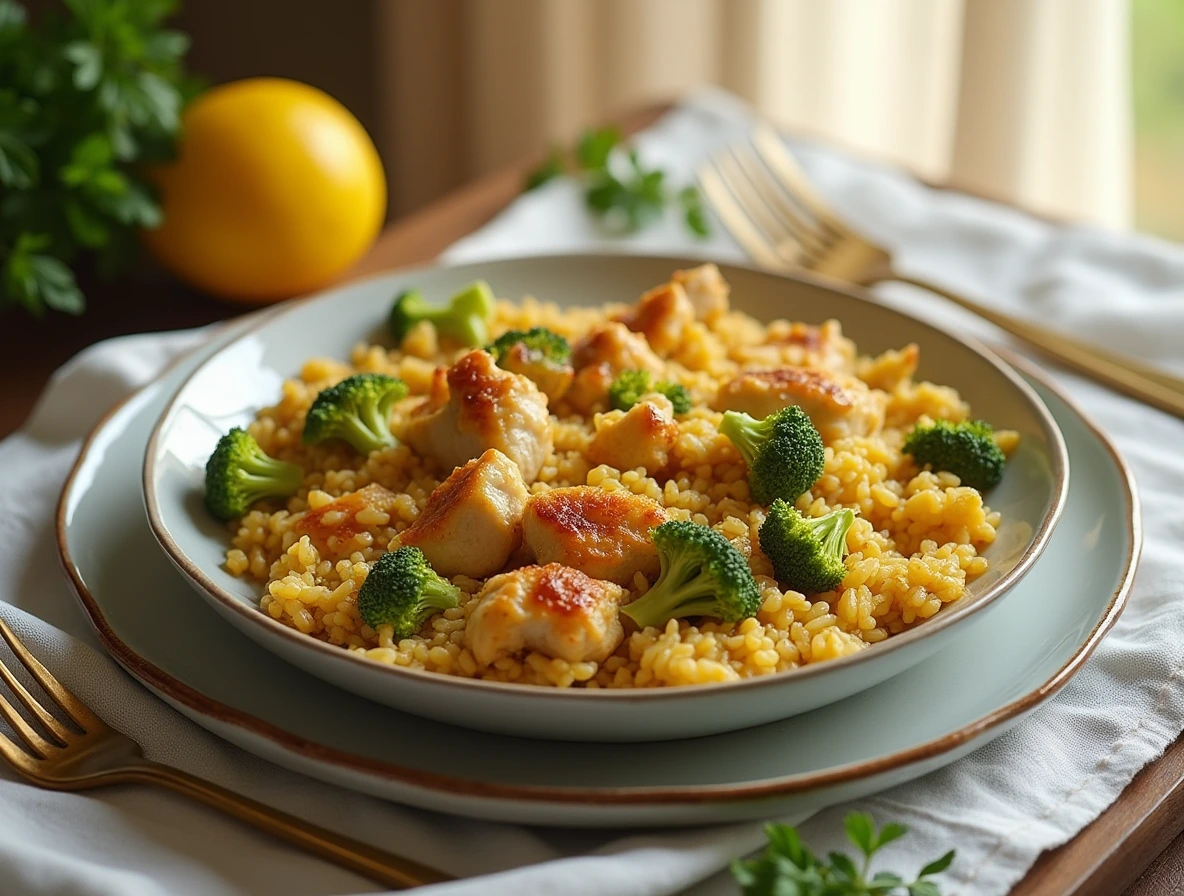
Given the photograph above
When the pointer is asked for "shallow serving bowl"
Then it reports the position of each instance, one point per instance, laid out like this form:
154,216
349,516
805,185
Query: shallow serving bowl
234,383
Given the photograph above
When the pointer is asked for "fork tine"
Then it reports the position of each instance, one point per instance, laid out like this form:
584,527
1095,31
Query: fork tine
795,224
29,702
736,221
69,704
748,197
781,162
35,742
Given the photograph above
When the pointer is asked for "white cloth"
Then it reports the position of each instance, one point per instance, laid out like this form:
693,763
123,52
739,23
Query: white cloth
1000,807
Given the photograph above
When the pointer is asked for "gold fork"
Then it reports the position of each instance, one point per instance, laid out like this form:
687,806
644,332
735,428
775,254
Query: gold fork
96,755
770,207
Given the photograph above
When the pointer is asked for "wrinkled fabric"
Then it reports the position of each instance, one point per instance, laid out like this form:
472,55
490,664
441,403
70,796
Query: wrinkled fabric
1030,790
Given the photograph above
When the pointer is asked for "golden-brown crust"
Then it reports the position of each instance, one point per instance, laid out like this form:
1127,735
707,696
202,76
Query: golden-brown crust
477,384
660,316
448,495
602,533
643,437
563,591
795,384
344,511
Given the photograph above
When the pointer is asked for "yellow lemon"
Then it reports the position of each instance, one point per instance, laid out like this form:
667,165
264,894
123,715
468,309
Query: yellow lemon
277,190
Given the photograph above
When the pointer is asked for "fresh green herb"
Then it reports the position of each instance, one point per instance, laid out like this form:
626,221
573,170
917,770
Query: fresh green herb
788,868
618,188
693,212
549,169
87,97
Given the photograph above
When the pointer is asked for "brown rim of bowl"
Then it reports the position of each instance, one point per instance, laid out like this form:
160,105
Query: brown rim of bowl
163,683
1058,460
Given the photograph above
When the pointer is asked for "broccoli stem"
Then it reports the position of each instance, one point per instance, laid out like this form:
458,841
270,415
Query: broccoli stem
681,590
746,433
440,594
367,435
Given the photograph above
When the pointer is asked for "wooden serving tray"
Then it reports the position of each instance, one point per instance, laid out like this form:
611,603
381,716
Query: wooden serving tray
1135,848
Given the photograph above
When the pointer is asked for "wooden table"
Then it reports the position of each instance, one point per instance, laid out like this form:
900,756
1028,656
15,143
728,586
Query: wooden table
1136,844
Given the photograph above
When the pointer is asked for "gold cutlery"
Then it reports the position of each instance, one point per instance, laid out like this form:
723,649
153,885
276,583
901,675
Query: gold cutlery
86,753
767,203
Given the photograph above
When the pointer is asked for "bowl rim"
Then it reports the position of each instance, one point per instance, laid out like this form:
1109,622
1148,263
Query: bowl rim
1058,461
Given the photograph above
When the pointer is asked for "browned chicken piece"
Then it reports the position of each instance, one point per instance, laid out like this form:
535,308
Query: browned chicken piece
840,405
601,533
600,356
615,345
339,519
552,379
556,610
487,407
643,436
473,521
707,290
798,344
589,389
888,370
661,316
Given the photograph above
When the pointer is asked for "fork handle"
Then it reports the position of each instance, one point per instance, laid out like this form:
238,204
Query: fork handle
1126,375
392,870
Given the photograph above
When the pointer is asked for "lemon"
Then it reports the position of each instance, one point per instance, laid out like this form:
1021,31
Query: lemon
277,191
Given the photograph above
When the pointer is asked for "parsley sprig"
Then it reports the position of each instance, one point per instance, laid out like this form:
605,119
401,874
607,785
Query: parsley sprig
87,97
788,868
618,187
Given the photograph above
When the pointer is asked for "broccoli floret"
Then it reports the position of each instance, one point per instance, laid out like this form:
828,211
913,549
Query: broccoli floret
626,390
358,410
238,474
465,319
678,395
806,552
541,345
402,591
702,575
784,452
966,449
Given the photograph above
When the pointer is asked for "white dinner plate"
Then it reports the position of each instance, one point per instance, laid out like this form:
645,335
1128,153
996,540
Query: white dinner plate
230,386
967,694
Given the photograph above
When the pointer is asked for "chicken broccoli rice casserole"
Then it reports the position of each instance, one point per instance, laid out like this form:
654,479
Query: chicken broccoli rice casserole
660,492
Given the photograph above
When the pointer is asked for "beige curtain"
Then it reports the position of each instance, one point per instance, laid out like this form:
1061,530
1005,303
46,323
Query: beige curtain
1023,99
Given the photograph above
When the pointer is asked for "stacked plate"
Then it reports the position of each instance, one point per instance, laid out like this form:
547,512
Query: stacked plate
1060,570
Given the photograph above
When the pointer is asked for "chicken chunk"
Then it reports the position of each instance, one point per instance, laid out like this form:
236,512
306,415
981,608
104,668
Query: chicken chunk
333,524
839,405
487,407
473,521
600,356
643,436
797,344
706,289
556,610
661,316
601,533
552,379
615,345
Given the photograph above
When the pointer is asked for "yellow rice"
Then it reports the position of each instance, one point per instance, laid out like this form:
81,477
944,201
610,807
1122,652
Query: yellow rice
913,548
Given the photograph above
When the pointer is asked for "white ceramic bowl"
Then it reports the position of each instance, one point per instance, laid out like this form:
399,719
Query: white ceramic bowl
246,375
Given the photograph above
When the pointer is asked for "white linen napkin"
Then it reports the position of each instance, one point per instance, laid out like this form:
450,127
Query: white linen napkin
1000,807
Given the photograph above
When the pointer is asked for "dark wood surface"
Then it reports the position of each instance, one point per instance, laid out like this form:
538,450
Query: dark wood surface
1135,848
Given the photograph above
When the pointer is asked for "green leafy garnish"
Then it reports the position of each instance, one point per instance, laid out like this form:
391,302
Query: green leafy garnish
87,97
788,868
618,188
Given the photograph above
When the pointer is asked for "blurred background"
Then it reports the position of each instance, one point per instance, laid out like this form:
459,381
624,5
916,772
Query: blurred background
1072,107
